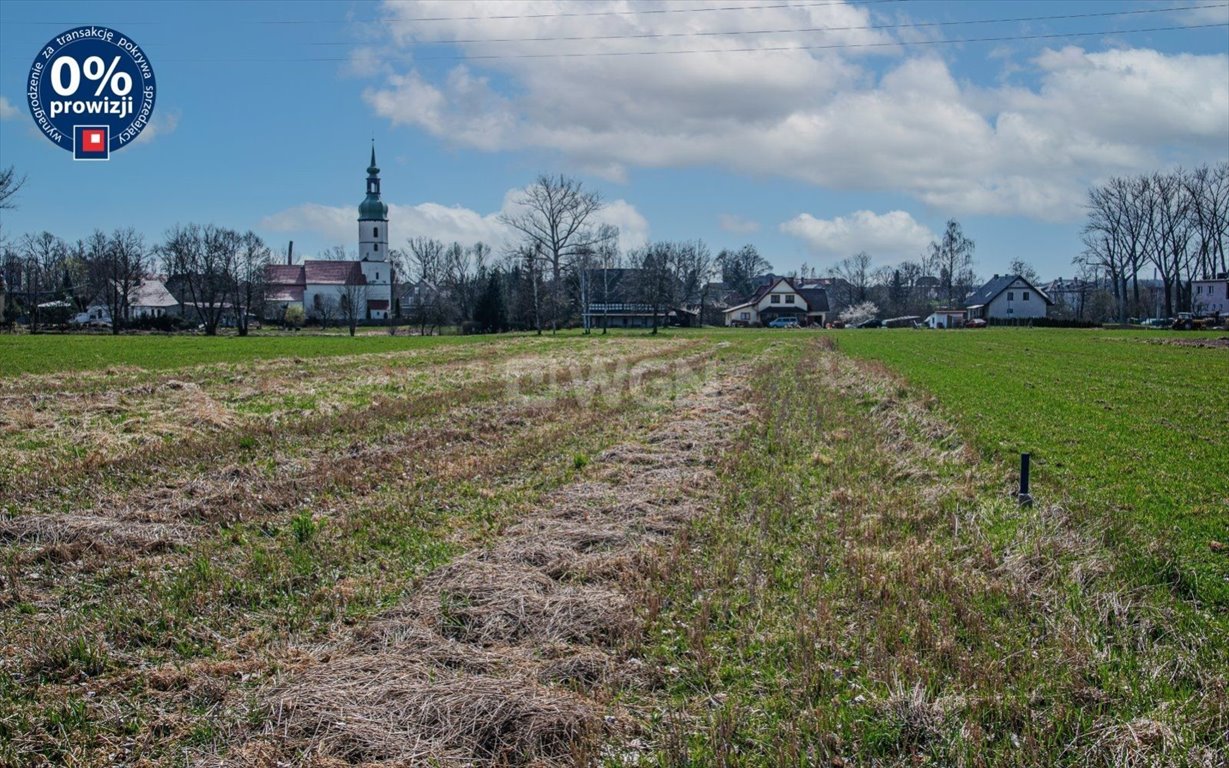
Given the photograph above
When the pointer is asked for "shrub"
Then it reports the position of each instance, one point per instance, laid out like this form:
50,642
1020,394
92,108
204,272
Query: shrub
295,317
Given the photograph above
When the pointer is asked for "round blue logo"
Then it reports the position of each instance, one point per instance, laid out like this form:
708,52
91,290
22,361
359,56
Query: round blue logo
91,91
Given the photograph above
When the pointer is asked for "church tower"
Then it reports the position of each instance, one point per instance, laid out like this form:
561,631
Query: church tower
373,245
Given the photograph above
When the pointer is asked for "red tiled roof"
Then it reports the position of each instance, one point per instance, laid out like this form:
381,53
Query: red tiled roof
334,273
377,304
284,274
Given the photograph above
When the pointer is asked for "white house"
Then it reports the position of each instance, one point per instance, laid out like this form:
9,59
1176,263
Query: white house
1211,297
1007,297
148,298
782,297
945,318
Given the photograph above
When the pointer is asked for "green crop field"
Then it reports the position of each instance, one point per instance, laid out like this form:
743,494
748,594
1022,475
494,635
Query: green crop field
700,548
1130,431
50,353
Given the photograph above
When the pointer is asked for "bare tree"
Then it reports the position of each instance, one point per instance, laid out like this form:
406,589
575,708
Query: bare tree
555,220
324,309
608,257
953,255
115,266
42,258
856,272
351,301
201,262
657,284
10,185
740,268
249,278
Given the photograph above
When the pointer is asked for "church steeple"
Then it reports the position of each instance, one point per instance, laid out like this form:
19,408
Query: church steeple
372,208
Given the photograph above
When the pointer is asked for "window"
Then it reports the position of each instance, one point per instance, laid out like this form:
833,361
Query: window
776,298
1011,295
377,277
1026,296
789,298
377,246
744,315
375,231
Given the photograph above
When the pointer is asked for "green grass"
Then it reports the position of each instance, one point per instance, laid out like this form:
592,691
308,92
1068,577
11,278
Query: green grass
1133,435
866,594
46,353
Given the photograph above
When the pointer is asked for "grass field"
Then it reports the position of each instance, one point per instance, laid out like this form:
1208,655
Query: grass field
702,548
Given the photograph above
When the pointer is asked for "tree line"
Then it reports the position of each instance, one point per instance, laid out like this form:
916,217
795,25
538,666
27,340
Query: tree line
1174,224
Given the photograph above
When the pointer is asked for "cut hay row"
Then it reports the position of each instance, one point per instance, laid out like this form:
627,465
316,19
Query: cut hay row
490,659
55,435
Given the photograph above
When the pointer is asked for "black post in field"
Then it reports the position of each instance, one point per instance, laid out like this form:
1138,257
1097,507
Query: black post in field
1024,497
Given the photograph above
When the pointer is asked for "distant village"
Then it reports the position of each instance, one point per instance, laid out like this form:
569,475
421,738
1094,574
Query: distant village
567,271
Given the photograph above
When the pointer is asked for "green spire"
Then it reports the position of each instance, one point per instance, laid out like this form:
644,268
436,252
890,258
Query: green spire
372,170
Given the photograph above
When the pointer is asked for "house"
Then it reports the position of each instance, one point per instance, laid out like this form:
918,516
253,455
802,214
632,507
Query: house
945,318
783,297
148,298
1007,297
1211,296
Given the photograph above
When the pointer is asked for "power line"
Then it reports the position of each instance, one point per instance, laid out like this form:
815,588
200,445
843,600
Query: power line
832,46
770,49
503,17
800,30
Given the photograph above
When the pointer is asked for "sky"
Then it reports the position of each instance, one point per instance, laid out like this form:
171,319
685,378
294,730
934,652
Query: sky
812,129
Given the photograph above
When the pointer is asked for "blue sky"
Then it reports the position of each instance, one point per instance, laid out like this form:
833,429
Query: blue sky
816,143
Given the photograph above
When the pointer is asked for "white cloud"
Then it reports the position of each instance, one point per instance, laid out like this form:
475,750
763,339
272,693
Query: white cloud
7,110
894,234
822,116
161,124
738,225
337,225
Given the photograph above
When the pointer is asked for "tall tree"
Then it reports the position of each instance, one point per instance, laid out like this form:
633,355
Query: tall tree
740,268
42,258
555,217
201,263
249,279
116,266
953,255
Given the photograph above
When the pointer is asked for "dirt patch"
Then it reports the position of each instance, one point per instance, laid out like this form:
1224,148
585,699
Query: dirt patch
1221,342
489,660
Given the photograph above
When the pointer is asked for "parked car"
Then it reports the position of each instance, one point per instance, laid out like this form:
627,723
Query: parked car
784,322
872,323
976,322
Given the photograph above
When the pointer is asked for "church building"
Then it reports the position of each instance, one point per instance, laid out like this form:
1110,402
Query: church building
319,287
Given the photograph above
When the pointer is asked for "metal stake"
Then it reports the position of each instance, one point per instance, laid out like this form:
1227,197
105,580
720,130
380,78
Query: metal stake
1024,497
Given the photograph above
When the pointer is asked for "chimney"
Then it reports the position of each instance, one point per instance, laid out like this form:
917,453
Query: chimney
290,254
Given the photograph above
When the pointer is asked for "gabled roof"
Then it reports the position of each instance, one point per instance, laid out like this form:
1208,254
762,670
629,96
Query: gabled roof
151,293
333,273
285,274
999,283
815,297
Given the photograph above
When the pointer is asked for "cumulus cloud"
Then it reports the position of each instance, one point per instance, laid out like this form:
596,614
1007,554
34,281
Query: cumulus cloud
894,234
7,110
338,224
841,119
738,225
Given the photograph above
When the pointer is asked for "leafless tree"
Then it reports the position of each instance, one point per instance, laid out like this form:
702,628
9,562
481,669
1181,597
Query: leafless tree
115,267
856,272
324,308
42,259
201,263
249,279
953,256
10,185
555,218
351,303
740,268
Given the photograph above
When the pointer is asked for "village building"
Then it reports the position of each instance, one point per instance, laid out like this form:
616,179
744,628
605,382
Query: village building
148,298
1007,297
318,287
1211,296
945,318
783,297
